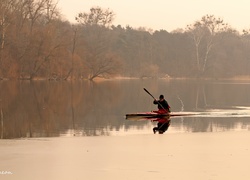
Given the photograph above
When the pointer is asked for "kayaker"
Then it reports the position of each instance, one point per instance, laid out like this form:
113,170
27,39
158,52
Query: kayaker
163,106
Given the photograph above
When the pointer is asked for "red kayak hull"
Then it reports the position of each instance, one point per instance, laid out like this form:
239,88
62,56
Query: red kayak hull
149,115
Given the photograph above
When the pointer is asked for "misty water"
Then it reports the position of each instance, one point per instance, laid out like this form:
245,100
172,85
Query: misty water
84,108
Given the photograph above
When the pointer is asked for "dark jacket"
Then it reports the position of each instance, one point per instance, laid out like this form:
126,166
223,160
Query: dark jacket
162,105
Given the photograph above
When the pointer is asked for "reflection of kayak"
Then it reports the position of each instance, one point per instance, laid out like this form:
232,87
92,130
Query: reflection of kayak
156,115
147,115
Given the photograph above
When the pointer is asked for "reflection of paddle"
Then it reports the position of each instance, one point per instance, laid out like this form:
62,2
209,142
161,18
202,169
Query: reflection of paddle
154,99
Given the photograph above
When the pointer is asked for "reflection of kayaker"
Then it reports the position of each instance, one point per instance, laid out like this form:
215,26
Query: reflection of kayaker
162,125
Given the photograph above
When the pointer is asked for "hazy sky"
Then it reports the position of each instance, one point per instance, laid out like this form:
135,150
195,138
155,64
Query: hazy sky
164,14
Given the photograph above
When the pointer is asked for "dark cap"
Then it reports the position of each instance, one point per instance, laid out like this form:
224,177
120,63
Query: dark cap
161,96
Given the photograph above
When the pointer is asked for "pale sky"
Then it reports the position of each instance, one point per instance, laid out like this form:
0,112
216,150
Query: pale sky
163,14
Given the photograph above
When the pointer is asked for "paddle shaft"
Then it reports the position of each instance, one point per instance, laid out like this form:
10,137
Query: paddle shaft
149,93
154,99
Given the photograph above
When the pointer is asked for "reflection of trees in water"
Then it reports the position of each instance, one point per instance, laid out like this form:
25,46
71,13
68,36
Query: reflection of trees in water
200,95
26,110
48,109
1,118
35,109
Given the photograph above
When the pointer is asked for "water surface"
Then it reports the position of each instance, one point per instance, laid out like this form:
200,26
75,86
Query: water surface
83,108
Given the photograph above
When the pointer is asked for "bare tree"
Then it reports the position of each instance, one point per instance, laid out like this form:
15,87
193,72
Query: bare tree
75,37
205,31
97,16
246,41
100,60
42,39
105,67
6,10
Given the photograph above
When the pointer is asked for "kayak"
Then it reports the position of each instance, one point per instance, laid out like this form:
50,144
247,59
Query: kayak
149,115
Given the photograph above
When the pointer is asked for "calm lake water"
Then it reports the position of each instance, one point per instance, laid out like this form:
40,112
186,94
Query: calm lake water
54,109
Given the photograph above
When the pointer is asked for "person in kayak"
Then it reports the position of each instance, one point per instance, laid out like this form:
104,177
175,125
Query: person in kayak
163,106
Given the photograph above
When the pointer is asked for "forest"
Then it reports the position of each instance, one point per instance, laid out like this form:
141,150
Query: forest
37,43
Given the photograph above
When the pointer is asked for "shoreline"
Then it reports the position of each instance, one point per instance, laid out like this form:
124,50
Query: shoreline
236,78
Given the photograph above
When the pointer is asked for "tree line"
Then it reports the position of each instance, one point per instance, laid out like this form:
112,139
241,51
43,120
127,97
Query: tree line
36,43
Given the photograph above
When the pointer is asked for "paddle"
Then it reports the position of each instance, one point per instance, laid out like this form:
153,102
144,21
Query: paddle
149,93
154,99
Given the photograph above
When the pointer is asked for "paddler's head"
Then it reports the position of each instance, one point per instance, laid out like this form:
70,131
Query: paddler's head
161,97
